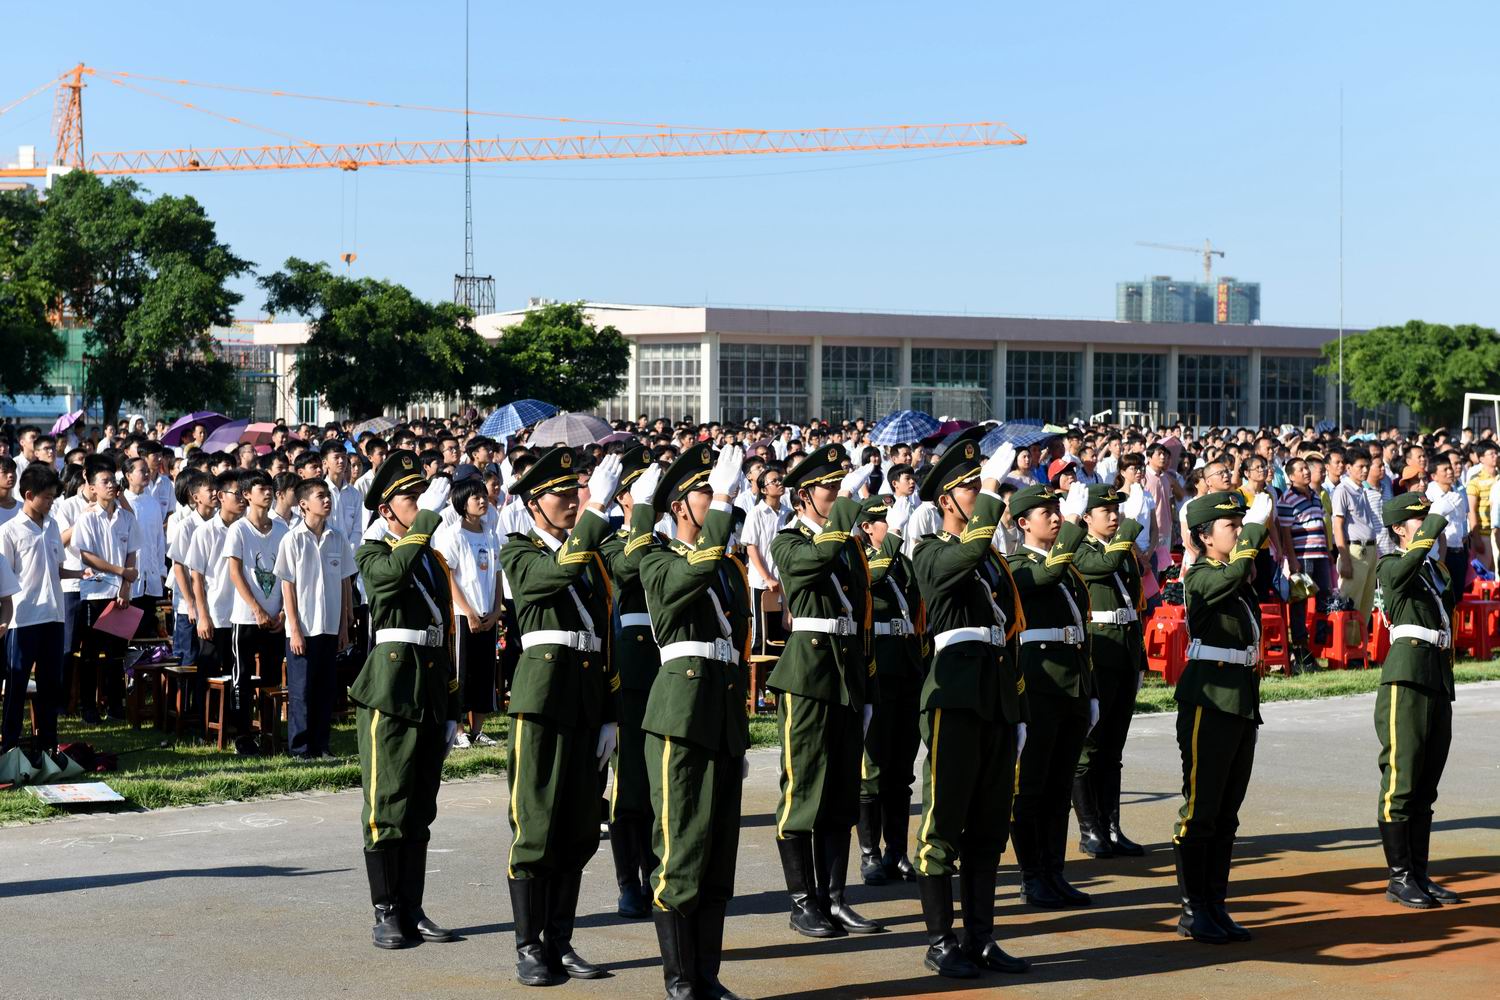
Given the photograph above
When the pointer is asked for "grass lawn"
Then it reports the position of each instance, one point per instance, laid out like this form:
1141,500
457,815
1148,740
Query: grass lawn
155,772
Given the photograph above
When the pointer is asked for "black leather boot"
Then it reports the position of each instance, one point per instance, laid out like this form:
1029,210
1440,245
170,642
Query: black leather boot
1056,848
895,821
383,869
831,862
625,850
1220,859
1192,874
413,882
807,919
1093,840
976,889
528,907
710,921
679,957
1403,887
871,868
1036,888
1109,806
557,933
1420,830
944,956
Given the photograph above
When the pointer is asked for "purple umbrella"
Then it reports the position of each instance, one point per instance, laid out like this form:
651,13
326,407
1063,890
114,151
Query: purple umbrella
65,421
208,418
226,437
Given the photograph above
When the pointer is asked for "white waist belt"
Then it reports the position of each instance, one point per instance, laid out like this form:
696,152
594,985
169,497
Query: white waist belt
430,636
1441,638
1247,657
720,649
992,634
1072,635
1119,616
828,626
896,626
584,642
638,620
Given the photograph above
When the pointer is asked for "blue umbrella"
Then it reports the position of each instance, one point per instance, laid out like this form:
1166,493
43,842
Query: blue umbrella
1020,434
903,427
513,416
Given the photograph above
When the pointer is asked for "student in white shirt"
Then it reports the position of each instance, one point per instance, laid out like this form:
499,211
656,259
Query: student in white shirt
10,498
285,509
259,636
471,549
348,502
197,500
315,564
762,522
213,593
108,540
75,495
151,518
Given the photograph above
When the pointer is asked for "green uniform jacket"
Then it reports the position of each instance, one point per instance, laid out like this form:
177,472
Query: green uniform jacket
694,698
1106,567
415,683
898,658
815,570
565,686
958,577
1055,668
1222,611
635,659
1411,594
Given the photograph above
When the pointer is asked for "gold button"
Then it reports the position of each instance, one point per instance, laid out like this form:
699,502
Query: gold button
690,672
639,637
846,588
815,640
1413,641
546,656
1044,645
395,655
731,685
585,664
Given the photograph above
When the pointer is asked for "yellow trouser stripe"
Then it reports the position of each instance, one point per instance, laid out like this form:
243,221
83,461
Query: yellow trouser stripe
374,775
937,727
1391,786
791,777
666,817
1192,801
514,779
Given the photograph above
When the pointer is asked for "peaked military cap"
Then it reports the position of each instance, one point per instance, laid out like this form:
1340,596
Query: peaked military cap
1403,508
1028,498
873,509
959,464
1207,509
683,476
1101,495
634,463
825,465
400,473
555,472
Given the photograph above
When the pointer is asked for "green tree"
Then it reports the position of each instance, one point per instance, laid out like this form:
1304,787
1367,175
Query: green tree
1426,366
149,278
556,354
28,343
374,344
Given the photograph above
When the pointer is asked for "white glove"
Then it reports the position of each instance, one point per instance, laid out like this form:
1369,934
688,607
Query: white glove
867,713
745,767
450,736
1135,503
1260,509
1020,738
644,488
605,479
1077,500
725,478
435,497
609,735
998,465
1093,713
897,516
856,480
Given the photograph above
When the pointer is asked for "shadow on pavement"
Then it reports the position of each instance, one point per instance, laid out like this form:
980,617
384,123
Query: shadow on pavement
44,886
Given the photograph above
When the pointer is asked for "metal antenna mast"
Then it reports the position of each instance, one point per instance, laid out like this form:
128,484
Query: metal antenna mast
477,293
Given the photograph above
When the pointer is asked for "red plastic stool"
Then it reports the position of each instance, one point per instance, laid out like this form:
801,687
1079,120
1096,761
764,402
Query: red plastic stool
1167,642
1274,648
1348,641
1379,646
1477,625
1319,628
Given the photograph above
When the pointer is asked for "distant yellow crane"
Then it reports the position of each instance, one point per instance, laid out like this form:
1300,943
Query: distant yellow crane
1207,250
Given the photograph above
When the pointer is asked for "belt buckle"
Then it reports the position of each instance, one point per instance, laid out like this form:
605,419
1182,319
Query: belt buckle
723,651
1445,639
1195,649
433,636
1073,635
1122,616
898,627
1252,656
845,626
581,642
997,635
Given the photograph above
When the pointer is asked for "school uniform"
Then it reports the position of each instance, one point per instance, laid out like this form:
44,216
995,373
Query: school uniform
179,537
253,643
65,514
31,558
115,537
316,565
473,560
206,556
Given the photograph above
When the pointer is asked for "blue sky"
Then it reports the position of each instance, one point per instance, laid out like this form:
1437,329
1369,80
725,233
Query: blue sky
1164,122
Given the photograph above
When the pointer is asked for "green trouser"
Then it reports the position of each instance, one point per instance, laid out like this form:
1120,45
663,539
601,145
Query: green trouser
1117,680
890,747
1054,739
966,789
695,798
1218,753
631,796
820,758
1415,725
400,769
554,797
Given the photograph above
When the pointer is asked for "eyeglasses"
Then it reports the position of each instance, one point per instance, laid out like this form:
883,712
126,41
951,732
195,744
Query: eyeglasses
771,482
226,493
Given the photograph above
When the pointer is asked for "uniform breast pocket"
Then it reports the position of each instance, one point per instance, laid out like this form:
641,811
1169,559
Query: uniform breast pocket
689,669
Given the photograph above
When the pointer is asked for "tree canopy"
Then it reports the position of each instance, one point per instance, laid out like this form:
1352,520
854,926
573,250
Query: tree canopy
556,354
1426,366
28,343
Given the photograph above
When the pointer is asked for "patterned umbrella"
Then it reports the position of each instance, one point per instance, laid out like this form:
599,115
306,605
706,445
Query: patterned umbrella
1019,433
375,425
208,418
226,437
903,427
572,429
513,416
65,421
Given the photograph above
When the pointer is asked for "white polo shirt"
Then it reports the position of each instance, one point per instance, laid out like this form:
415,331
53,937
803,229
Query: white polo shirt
33,554
256,552
473,559
6,513
179,538
112,536
65,513
348,510
761,525
205,555
316,566
152,561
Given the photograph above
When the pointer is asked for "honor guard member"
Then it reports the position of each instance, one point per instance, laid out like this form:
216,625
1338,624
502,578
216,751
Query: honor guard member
973,707
1414,709
406,696
1061,693
695,723
825,681
1218,706
635,662
562,706
892,739
1106,561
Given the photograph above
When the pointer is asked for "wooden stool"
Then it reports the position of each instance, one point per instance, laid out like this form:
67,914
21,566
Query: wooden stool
760,668
214,721
272,703
146,681
176,692
1274,650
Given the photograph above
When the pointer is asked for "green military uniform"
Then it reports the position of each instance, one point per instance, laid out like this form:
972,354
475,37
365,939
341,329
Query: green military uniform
696,728
564,692
1118,642
973,704
1414,708
825,677
406,703
1060,685
1218,711
892,739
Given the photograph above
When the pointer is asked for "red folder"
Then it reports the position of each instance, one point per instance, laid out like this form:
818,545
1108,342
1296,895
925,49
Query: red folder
120,622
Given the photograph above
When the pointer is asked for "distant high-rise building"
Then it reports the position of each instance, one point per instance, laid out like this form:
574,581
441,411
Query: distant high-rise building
1160,299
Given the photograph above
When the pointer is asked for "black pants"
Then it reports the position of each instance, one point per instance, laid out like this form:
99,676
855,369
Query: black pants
1218,753
101,668
887,769
1054,740
1101,759
257,663
29,646
311,684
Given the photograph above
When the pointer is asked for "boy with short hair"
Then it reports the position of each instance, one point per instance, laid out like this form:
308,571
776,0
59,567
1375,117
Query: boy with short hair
213,593
10,505
151,564
195,497
108,539
250,546
285,509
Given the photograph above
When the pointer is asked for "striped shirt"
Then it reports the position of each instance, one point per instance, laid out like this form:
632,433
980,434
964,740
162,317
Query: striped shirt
1302,513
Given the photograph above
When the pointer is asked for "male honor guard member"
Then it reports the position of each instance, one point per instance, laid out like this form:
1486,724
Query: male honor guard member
1414,709
825,683
973,707
1106,561
1060,687
562,708
1218,706
695,721
406,697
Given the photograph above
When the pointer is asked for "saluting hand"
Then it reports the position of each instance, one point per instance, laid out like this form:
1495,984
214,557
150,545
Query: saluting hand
644,488
724,480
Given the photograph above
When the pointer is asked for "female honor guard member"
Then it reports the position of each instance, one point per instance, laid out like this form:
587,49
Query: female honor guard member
1106,561
562,707
695,721
825,681
1218,706
406,697
973,711
1414,709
